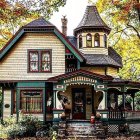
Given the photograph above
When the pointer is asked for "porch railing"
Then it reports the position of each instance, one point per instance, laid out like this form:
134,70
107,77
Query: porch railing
133,115
117,114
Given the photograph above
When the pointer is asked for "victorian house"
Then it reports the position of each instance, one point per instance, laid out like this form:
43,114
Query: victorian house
44,72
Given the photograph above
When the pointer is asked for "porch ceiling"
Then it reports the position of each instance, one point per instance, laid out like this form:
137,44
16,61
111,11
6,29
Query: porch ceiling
80,72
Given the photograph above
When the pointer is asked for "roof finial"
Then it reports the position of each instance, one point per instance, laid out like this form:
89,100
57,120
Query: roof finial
92,2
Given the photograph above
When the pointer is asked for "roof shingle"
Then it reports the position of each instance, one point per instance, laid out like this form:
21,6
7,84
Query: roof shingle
92,19
39,22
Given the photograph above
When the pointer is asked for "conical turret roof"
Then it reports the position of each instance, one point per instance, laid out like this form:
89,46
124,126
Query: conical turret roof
92,20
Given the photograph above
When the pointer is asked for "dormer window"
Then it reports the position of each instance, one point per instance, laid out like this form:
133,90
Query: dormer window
89,40
105,41
80,42
96,40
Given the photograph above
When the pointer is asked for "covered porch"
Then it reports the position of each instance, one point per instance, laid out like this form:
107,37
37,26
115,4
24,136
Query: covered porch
78,95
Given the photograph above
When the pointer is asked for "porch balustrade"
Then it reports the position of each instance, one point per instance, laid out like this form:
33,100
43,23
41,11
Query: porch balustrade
117,114
133,115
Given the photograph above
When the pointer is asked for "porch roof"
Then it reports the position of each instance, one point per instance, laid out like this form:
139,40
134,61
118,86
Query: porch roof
118,82
80,72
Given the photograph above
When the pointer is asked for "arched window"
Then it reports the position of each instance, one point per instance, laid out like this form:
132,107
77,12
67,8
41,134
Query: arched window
105,40
80,42
96,40
89,40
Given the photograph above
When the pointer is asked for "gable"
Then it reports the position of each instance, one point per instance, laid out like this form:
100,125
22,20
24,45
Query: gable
23,30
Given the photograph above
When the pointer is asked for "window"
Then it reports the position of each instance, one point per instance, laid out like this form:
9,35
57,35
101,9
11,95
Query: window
80,42
39,61
105,40
89,40
96,40
31,101
45,61
33,60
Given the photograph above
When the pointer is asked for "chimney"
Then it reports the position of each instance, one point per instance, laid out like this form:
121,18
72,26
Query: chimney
64,25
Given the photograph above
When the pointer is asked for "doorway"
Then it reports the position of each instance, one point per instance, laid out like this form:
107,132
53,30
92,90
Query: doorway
79,108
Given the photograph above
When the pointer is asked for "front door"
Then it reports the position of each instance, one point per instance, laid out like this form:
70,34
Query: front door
78,95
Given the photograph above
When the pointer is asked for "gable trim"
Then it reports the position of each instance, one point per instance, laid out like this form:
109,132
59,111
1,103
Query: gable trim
11,42
69,46
80,72
21,31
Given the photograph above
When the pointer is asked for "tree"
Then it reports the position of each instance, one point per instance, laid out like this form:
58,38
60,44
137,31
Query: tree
123,13
0,104
16,13
123,16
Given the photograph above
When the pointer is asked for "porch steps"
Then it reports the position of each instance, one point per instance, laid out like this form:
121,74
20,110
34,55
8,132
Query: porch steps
84,129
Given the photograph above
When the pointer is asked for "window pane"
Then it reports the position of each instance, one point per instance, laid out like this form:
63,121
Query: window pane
33,61
89,40
31,102
80,41
46,65
97,40
45,56
33,56
33,66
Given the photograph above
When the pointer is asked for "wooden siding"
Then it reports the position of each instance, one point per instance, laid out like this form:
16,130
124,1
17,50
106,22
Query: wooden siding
93,50
98,70
14,66
7,101
112,71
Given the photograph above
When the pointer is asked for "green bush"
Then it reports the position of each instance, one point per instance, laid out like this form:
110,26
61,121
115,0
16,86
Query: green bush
26,126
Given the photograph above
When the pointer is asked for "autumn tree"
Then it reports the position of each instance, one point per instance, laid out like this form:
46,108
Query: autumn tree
123,16
16,13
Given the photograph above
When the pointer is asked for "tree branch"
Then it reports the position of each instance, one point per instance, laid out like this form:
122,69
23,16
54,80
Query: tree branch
138,34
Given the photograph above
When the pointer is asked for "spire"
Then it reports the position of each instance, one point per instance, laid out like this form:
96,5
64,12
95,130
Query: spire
92,20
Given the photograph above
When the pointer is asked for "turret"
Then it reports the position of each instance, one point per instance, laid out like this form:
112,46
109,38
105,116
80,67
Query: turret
92,33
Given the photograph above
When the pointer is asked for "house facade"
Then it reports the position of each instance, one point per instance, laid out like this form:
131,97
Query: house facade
46,73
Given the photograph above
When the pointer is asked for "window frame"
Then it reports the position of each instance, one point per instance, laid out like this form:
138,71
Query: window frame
40,52
97,40
80,41
88,40
105,40
41,101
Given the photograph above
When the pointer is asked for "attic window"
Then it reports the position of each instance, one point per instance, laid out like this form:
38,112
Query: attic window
39,61
96,40
105,40
89,40
80,42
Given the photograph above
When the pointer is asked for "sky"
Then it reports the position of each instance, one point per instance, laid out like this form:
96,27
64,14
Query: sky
74,11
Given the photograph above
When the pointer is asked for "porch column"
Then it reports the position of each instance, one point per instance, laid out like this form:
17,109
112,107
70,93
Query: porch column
54,99
133,103
106,102
123,99
103,104
57,107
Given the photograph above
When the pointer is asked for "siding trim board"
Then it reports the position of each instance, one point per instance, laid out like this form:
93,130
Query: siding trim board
23,30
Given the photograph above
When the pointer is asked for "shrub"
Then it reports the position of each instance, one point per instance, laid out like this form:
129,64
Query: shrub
26,126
